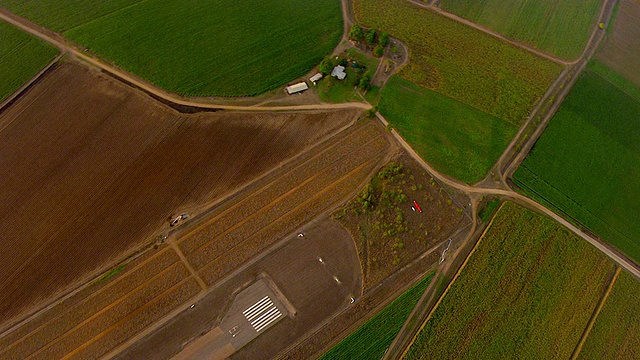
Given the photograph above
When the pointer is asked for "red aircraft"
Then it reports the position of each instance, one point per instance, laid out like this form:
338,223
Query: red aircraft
417,206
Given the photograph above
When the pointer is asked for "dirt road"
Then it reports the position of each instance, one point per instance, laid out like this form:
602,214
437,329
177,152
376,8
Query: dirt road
66,47
473,191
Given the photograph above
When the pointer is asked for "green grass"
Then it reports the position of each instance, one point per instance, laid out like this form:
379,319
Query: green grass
21,57
456,139
372,339
461,62
202,48
615,332
333,90
488,210
560,27
113,272
527,292
587,162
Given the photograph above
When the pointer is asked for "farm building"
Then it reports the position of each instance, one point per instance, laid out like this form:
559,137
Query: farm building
315,78
296,88
338,72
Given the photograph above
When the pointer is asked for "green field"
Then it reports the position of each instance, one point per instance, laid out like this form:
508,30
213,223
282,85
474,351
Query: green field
21,57
560,27
202,48
454,138
615,333
371,340
62,15
587,162
527,292
460,62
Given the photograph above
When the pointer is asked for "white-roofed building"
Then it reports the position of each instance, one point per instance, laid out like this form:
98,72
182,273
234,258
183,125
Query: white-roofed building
338,72
296,88
315,78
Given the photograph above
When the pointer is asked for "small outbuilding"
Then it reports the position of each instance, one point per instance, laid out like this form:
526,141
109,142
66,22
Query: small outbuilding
296,88
338,72
315,78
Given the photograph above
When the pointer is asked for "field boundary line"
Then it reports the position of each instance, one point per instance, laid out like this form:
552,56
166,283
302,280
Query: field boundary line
80,288
16,94
299,206
119,322
596,313
275,201
187,264
453,280
292,161
98,313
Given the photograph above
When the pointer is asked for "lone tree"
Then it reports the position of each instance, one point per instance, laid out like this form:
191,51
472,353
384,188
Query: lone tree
370,37
326,65
356,32
365,82
378,51
383,39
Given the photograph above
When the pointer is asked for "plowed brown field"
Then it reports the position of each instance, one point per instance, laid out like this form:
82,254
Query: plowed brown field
91,169
621,49
321,180
105,314
102,316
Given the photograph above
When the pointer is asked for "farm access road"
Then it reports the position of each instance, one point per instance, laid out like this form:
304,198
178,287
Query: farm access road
66,46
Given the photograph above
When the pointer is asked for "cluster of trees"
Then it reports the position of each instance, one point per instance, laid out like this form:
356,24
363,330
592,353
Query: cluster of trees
328,63
371,38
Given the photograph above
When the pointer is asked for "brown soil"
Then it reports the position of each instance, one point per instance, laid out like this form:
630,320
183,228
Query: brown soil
388,233
321,180
91,169
620,49
105,313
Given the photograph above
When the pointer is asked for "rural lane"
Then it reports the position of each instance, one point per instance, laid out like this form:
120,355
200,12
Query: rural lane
151,89
472,191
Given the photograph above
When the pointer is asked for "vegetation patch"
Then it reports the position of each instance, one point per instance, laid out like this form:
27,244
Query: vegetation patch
461,62
21,57
527,291
488,209
455,138
359,68
587,162
226,48
388,228
371,340
558,27
615,332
